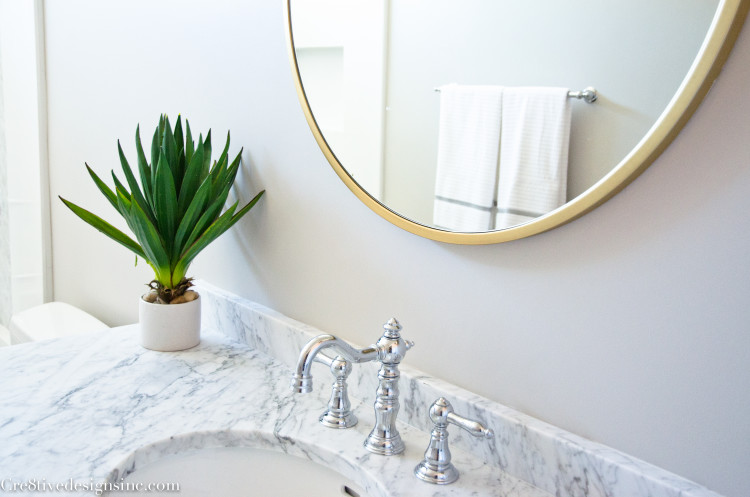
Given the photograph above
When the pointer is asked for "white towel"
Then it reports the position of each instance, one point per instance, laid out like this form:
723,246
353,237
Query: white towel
533,173
468,148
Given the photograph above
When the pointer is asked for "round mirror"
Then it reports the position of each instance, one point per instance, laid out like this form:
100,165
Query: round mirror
466,122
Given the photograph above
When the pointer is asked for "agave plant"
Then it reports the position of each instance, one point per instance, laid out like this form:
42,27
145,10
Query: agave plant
175,212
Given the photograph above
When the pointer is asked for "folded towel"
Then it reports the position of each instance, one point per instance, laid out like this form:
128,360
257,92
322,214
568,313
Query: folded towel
535,136
468,147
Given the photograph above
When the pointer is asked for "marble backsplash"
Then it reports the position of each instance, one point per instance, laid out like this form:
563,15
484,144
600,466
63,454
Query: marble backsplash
549,458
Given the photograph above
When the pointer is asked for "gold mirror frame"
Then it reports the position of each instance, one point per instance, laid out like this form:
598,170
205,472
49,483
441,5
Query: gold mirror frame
725,27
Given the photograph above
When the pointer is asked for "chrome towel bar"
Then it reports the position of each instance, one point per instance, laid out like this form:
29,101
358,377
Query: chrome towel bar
588,94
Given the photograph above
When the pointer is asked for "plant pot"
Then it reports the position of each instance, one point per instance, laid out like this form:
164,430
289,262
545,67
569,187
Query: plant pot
170,327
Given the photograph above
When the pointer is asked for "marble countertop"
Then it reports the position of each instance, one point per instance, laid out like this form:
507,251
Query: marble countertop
93,408
96,406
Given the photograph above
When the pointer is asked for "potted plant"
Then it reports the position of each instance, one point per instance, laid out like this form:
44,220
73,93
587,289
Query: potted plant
174,213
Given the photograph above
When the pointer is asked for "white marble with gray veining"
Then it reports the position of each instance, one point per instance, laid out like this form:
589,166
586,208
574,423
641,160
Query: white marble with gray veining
549,458
95,407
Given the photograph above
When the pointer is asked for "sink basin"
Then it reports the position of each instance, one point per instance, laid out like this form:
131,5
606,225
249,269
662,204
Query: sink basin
238,472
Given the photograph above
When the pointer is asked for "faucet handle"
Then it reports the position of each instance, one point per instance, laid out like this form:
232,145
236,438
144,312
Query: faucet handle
475,428
338,413
436,467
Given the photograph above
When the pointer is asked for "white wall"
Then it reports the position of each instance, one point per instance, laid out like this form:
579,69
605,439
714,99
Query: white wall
628,326
20,85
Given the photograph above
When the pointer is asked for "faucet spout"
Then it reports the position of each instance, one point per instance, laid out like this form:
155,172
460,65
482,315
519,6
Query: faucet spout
302,379
390,349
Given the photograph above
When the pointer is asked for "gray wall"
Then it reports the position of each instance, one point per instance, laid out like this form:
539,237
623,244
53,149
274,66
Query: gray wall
628,326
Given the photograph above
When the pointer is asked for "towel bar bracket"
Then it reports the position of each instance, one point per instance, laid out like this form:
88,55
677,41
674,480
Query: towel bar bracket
588,94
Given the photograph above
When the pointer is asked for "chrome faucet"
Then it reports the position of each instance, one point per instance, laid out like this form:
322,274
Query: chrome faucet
436,467
390,349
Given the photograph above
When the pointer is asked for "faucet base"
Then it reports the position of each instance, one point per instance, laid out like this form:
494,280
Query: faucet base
439,475
331,419
383,446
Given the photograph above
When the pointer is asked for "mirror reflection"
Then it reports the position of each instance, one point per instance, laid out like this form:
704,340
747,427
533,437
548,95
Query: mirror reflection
452,158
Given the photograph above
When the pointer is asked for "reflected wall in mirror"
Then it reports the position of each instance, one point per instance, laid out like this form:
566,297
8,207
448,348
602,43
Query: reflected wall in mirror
367,71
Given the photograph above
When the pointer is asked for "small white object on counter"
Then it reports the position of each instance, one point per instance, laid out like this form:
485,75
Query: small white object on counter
51,320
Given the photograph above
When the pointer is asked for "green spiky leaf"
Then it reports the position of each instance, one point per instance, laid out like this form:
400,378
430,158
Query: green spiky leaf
165,201
135,189
206,154
192,180
144,169
106,228
189,145
106,191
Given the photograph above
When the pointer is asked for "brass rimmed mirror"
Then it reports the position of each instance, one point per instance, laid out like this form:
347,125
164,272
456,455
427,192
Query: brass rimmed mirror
366,72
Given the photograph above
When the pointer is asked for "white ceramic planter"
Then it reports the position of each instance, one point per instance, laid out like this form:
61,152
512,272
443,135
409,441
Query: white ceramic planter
168,328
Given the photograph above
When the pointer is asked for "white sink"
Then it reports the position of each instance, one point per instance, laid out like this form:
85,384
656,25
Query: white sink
239,472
